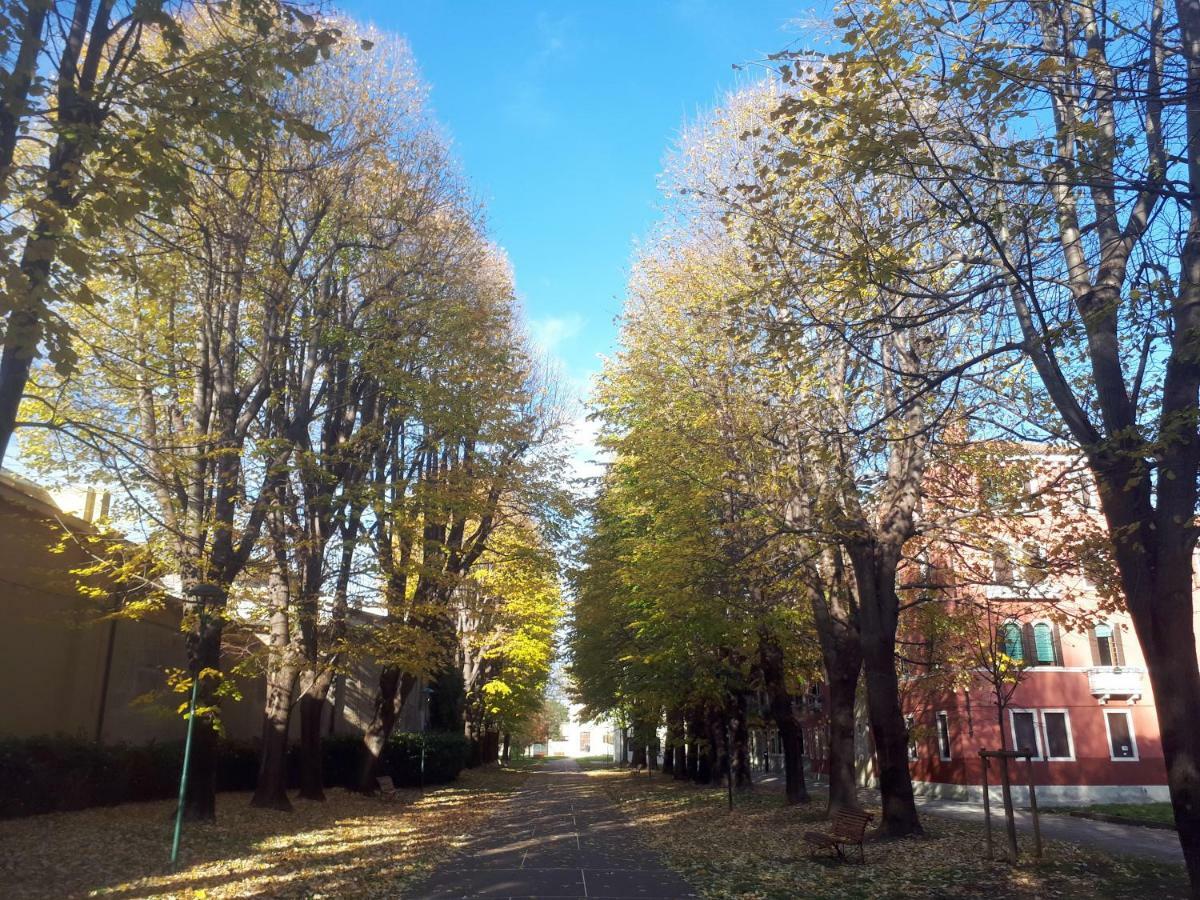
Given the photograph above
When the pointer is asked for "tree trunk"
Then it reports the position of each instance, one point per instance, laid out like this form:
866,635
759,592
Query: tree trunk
394,688
715,732
204,652
674,748
878,607
742,778
270,791
783,712
841,673
312,709
1162,613
695,733
639,752
505,747
685,762
835,615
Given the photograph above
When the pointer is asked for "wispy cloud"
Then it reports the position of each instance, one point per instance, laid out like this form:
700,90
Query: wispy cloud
526,105
551,332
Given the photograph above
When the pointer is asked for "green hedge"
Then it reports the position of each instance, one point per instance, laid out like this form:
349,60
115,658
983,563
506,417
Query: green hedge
445,757
51,774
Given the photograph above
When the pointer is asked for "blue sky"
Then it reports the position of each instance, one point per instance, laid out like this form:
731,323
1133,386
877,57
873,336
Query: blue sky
561,115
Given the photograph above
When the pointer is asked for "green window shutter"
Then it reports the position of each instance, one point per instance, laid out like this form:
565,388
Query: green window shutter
1029,648
1095,646
1014,645
1057,638
1043,641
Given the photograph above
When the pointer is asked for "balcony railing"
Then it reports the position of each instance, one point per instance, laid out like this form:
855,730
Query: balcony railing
1108,682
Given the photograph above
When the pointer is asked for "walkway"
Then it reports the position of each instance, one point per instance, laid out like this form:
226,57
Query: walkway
1148,843
559,836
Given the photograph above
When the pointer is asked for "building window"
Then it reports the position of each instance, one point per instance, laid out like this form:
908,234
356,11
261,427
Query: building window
1035,565
1024,731
1002,568
607,738
1011,638
1044,644
1104,646
1056,725
943,735
912,744
585,742
1121,743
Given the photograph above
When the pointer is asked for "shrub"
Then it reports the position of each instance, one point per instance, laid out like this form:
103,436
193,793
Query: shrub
53,774
445,756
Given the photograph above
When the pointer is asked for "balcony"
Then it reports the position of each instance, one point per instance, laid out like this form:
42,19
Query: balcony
1108,682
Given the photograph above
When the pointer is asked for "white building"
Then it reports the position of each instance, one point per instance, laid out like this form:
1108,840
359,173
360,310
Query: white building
582,738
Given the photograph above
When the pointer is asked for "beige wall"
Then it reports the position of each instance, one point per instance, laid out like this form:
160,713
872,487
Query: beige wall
53,646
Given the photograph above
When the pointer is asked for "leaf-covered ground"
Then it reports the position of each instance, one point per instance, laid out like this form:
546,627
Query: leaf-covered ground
757,851
349,846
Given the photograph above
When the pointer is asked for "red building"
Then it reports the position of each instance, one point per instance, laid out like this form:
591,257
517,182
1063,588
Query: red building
1035,654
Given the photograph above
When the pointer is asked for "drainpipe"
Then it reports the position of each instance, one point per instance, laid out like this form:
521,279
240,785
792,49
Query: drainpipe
104,679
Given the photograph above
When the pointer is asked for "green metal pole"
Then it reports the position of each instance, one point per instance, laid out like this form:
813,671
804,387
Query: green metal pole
183,776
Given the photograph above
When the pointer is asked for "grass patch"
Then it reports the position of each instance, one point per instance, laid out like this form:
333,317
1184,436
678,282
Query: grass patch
350,845
757,852
591,763
1159,814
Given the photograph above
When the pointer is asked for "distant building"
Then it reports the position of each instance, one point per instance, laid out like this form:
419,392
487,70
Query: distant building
582,737
72,671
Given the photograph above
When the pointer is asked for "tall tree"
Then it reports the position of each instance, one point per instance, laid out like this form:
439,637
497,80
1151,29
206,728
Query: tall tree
101,122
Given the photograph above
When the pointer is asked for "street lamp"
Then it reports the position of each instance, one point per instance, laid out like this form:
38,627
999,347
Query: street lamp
206,596
427,693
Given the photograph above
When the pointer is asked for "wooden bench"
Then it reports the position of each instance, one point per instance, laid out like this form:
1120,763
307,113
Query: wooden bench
387,788
848,828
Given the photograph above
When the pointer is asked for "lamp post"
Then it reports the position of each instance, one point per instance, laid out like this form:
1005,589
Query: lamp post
427,693
205,595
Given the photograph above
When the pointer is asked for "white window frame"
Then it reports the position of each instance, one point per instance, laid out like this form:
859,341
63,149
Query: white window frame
938,717
1037,732
1132,735
1044,737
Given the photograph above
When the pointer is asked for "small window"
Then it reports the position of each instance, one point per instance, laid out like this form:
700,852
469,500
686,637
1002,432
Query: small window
1035,565
585,742
607,738
1002,568
1121,742
912,744
1083,490
1014,645
1024,732
1043,642
943,735
1057,726
1104,645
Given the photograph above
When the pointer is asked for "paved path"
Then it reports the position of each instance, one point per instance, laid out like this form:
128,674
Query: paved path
1148,843
559,836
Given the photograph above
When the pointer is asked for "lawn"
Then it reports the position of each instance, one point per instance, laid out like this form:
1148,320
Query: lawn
348,846
1131,813
757,851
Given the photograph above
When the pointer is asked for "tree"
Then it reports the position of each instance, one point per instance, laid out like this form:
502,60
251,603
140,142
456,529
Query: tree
101,123
1060,141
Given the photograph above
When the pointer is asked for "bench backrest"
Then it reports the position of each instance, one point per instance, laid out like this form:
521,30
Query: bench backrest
849,823
385,783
